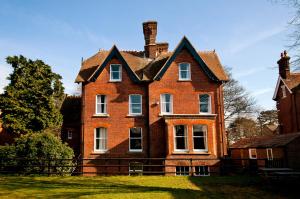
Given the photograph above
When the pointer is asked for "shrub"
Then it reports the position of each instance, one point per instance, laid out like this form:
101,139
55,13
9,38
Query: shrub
43,153
8,161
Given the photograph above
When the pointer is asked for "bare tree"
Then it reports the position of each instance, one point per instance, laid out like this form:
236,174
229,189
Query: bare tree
237,101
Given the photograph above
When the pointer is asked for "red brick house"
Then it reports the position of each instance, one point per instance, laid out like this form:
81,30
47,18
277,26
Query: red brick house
287,97
154,104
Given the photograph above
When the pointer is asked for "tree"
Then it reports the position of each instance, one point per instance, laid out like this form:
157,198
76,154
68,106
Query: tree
242,127
265,119
31,101
236,100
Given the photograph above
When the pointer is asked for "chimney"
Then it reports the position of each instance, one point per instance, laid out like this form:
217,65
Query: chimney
150,31
284,65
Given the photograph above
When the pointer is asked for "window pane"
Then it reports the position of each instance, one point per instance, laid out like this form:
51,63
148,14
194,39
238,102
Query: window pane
180,143
167,98
135,98
136,108
184,74
97,144
179,130
183,66
167,108
115,68
135,144
199,143
204,98
102,97
115,75
135,132
97,132
204,108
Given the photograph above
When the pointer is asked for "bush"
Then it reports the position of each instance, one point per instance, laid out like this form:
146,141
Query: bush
8,161
40,153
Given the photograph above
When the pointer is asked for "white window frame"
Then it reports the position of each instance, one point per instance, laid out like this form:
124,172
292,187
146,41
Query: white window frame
130,104
120,73
95,140
209,104
269,153
208,170
205,140
283,90
188,71
98,112
182,171
136,150
70,134
162,103
251,153
185,136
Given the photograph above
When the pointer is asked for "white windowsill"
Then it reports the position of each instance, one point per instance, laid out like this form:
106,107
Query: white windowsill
133,115
101,115
181,151
135,151
184,80
99,152
114,81
200,114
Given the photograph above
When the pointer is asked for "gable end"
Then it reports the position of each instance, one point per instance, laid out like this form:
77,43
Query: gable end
185,44
114,52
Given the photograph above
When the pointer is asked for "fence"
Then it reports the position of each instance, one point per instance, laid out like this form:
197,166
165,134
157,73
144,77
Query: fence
134,166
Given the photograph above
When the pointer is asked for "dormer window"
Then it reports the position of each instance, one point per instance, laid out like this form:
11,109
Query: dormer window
184,71
115,73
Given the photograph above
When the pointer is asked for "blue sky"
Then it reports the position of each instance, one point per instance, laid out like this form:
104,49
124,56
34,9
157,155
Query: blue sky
248,35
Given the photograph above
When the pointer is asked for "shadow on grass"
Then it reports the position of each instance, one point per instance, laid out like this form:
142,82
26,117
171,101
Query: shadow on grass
74,187
247,187
55,188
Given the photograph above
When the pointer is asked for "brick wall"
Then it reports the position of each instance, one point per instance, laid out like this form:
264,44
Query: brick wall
185,101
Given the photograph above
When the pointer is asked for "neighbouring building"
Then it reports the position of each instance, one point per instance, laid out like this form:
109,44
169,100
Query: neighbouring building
153,103
287,97
70,130
267,151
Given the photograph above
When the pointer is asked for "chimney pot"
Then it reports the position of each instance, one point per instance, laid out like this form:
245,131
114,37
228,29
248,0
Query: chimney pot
284,65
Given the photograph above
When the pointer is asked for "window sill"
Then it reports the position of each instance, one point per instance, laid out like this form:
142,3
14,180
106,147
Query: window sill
99,152
135,151
181,152
184,80
100,115
129,115
115,81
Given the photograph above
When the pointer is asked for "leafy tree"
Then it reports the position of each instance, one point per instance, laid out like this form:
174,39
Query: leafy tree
31,101
265,118
236,100
242,127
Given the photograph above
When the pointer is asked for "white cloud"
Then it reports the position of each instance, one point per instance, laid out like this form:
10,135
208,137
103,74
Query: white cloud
254,38
248,72
262,91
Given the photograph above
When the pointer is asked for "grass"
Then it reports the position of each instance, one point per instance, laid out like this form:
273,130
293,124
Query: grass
135,187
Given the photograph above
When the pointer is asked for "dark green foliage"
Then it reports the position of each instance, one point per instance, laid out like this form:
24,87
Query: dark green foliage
38,153
7,157
43,150
32,100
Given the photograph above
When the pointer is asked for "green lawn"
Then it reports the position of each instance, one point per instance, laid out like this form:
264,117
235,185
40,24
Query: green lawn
156,187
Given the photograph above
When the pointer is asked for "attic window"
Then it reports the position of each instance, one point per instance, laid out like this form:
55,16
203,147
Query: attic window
115,73
184,71
283,91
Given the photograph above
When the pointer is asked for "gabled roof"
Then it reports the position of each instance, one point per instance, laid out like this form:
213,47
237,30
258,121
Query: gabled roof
268,141
292,82
145,69
185,44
